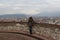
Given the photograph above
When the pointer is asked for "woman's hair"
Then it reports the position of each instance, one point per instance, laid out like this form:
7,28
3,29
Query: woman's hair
30,19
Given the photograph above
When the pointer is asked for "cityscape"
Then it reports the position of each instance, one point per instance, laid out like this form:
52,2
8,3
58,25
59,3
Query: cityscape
29,19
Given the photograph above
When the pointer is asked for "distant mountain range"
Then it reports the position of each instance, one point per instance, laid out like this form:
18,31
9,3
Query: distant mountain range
24,15
13,16
49,14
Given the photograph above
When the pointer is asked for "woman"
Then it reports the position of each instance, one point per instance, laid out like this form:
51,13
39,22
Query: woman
30,24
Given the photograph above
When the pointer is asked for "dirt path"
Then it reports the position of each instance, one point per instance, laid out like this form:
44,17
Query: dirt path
21,36
11,36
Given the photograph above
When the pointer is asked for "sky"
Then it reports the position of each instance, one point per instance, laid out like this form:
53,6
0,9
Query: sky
29,7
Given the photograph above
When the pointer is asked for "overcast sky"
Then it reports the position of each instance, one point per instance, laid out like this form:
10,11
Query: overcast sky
28,6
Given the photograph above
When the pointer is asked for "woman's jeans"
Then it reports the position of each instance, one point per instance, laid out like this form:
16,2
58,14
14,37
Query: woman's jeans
30,29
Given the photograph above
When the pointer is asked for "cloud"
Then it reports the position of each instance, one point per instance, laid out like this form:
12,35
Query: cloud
30,11
28,6
20,11
4,5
